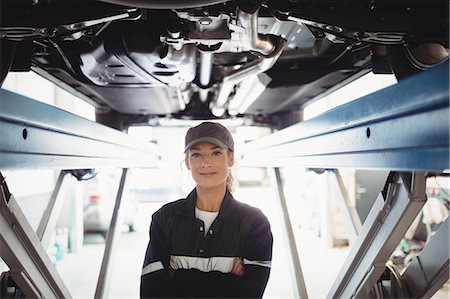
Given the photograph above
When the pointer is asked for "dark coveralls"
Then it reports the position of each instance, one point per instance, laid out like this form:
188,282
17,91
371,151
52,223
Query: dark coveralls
203,263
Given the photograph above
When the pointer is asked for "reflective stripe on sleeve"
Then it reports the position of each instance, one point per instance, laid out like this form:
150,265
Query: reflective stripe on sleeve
267,264
152,267
204,264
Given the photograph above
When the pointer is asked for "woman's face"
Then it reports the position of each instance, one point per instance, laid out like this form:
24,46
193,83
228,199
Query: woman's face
209,164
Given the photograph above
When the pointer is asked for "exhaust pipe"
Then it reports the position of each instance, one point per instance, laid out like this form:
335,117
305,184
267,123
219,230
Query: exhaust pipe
268,47
256,42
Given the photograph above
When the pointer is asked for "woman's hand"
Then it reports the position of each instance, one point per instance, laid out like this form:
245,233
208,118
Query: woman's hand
171,272
238,267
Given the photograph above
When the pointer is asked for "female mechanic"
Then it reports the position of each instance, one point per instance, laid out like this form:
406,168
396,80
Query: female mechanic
208,245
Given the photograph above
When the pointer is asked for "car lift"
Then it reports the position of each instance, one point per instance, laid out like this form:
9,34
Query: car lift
403,128
36,135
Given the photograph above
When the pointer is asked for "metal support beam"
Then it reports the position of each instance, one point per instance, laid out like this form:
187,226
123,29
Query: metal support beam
428,272
349,212
37,135
112,239
300,287
21,249
404,127
383,229
51,213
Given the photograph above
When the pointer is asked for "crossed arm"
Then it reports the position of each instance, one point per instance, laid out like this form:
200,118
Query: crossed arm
247,278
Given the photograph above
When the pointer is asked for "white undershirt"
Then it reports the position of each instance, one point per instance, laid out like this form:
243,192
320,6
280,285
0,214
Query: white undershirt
207,218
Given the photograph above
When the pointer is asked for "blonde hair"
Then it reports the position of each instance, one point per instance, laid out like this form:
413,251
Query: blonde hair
230,180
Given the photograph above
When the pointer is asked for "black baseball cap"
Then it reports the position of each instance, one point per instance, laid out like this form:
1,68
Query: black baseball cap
209,132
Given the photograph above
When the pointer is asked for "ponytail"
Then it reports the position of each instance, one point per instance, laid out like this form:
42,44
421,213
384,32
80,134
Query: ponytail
230,181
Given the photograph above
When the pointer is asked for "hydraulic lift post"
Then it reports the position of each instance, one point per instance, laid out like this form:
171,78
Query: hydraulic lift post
112,239
51,213
298,278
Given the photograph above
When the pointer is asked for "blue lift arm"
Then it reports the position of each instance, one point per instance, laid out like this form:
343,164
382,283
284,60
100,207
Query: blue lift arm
404,127
37,135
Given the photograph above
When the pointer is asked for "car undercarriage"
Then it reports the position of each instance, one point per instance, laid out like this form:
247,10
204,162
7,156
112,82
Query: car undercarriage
264,61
